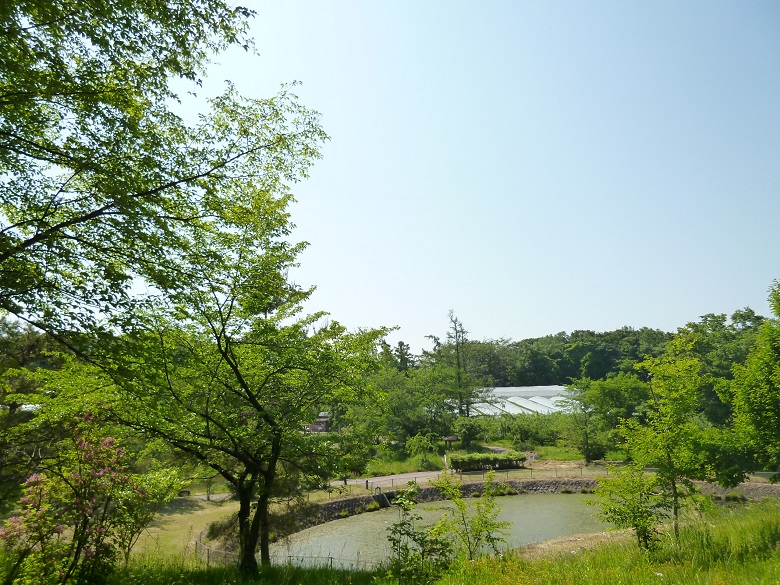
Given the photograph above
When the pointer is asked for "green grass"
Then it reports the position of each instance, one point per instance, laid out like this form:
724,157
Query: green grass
728,546
189,572
391,466
553,453
615,455
177,525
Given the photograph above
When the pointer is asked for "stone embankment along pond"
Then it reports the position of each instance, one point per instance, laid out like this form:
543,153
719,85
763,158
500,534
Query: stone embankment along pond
337,509
359,504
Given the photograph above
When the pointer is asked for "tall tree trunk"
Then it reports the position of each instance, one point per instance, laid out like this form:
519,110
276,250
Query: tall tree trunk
675,510
247,544
262,518
263,522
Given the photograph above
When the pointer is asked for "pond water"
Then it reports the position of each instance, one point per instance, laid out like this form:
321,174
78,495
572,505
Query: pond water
363,538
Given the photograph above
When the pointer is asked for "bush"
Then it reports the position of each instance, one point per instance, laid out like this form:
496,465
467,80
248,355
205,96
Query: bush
487,461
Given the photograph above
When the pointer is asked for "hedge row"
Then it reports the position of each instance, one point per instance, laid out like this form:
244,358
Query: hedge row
480,461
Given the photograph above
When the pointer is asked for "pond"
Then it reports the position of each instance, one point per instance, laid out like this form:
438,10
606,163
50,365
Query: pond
362,539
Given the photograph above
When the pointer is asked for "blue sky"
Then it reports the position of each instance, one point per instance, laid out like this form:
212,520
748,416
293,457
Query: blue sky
534,166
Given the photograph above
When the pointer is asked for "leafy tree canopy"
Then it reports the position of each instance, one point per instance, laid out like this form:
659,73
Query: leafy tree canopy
102,183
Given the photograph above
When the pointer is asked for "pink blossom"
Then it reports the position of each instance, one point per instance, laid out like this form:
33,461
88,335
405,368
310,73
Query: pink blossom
34,479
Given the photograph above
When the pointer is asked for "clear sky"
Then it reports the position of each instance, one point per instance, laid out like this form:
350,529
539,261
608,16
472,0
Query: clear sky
534,166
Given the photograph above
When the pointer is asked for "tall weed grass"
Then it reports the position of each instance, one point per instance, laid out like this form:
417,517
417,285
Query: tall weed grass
725,546
166,572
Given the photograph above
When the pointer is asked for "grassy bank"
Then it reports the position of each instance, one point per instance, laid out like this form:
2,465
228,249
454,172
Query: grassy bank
159,571
726,546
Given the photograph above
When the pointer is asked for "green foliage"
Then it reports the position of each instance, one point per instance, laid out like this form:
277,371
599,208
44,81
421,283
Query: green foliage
355,449
632,499
757,392
103,183
407,403
22,351
582,428
563,357
536,429
137,502
421,445
726,546
74,516
557,453
721,345
675,440
481,529
486,461
595,408
393,462
467,429
421,553
162,571
237,396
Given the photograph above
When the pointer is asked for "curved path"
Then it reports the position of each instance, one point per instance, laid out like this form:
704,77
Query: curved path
384,481
399,479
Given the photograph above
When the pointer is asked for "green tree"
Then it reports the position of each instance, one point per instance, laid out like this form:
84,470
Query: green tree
675,439
595,409
103,183
582,427
405,404
137,501
421,553
533,367
421,446
479,528
228,371
238,400
757,391
446,369
720,344
632,499
615,399
467,429
23,351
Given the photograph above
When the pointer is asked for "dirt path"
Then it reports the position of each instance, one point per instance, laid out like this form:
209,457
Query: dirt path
570,544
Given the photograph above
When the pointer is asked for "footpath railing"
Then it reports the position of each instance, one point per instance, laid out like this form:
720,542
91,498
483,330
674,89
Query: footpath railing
214,556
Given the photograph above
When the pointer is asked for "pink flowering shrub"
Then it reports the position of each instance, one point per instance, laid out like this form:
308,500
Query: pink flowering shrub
73,517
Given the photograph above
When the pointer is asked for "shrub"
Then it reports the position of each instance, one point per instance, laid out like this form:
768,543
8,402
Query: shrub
76,517
487,461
